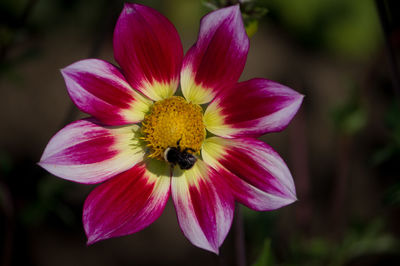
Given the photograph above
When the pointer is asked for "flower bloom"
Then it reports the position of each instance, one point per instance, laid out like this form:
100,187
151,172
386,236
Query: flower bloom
148,145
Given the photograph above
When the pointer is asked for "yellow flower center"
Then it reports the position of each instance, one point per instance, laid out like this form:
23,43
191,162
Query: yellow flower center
171,121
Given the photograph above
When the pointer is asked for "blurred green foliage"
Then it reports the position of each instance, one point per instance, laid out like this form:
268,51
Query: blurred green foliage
392,195
392,121
50,201
392,147
364,239
350,116
388,154
258,225
346,28
6,163
266,257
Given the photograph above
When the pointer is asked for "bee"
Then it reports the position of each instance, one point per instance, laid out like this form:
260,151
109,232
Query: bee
175,155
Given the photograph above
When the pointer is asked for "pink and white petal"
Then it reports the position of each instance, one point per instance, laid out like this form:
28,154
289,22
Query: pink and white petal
217,59
86,152
204,205
252,108
149,50
99,89
256,174
128,202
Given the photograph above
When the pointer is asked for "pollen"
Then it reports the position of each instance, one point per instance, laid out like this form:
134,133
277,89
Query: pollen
171,121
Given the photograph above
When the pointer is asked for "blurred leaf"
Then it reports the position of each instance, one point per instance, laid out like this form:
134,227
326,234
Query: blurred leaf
33,214
266,257
309,251
357,32
383,154
6,35
392,121
360,240
348,28
390,150
65,213
258,225
210,4
369,240
6,163
50,193
392,195
392,118
350,117
50,187
252,28
319,248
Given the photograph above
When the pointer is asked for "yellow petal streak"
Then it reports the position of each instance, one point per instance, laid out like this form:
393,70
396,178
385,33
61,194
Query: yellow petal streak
159,90
193,92
172,120
215,122
214,148
139,107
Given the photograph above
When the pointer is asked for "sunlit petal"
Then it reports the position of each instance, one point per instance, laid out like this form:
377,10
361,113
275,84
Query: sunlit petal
252,108
99,89
217,59
128,202
204,205
256,174
148,49
86,152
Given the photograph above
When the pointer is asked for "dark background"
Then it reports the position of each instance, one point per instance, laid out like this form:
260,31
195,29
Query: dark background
343,147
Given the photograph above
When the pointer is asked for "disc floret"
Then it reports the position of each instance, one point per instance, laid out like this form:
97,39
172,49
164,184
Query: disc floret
170,121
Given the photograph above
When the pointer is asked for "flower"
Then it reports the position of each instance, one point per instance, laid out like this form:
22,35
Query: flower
147,144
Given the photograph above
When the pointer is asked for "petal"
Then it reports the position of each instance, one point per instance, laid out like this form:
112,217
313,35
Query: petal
99,89
252,108
128,202
148,49
258,177
89,153
204,205
217,59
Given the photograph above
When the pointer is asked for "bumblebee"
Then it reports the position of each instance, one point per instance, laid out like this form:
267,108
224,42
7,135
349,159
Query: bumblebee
177,156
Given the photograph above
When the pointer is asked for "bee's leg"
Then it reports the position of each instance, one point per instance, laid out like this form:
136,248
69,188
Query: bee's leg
178,143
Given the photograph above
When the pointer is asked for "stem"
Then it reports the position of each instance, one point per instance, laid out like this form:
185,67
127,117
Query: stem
394,69
239,238
338,209
298,151
8,208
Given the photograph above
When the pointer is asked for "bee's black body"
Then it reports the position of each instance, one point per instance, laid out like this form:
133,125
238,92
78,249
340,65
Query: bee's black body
183,158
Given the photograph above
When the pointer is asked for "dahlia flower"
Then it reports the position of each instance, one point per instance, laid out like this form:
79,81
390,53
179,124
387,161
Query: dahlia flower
147,144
